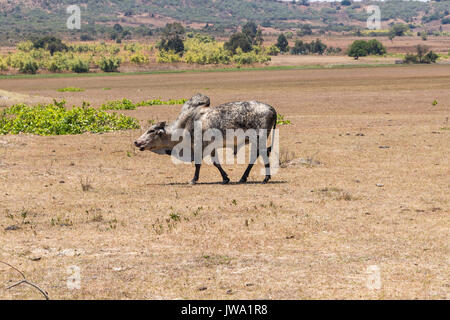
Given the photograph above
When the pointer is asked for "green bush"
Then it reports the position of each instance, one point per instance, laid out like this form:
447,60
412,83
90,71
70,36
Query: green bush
109,64
167,57
55,119
238,40
254,56
139,58
79,65
70,89
123,104
282,43
3,64
126,104
361,48
205,52
59,62
272,50
29,66
410,58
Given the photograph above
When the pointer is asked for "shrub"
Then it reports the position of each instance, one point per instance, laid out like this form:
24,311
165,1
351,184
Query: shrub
272,50
139,58
55,119
238,40
70,89
254,56
49,43
123,104
430,57
282,43
29,66
209,52
59,62
422,56
109,64
167,57
361,48
3,64
25,46
79,65
172,38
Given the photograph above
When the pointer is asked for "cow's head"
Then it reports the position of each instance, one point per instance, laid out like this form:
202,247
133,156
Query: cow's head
197,101
154,139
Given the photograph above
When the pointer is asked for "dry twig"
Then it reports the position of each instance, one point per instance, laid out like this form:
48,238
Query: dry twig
25,281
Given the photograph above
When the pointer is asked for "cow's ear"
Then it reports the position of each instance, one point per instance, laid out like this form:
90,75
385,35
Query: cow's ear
161,125
160,132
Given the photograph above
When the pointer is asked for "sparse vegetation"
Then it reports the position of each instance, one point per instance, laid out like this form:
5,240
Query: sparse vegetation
70,89
55,119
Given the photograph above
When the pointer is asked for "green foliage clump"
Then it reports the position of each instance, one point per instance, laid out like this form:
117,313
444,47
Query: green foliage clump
59,62
282,43
254,56
281,120
49,43
316,46
70,89
361,48
272,50
422,56
167,57
79,65
238,40
139,58
158,102
172,38
126,104
29,66
3,64
25,46
109,64
205,52
55,119
123,104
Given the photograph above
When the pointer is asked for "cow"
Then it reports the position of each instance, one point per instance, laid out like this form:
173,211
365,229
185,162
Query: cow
242,115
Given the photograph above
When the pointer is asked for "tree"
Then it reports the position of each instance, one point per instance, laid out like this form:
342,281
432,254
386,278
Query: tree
358,49
318,46
361,48
172,38
375,47
238,40
250,29
306,29
399,29
282,43
300,47
346,3
118,28
51,44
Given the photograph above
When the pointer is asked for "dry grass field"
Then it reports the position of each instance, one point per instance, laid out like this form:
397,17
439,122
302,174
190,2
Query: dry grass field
376,192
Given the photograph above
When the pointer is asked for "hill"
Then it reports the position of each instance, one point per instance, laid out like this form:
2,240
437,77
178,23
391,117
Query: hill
24,18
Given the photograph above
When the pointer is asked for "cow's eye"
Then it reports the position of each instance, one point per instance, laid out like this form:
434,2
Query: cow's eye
150,131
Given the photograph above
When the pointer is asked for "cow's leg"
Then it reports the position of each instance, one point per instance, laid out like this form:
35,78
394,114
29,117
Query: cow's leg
267,166
216,163
222,173
197,173
251,164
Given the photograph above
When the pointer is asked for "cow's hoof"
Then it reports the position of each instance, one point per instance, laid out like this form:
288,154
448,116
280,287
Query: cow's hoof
242,181
266,180
225,181
193,182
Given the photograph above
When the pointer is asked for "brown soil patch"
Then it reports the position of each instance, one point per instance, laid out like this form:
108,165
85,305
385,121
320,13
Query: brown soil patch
139,231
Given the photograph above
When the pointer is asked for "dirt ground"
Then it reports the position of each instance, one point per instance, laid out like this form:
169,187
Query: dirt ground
374,193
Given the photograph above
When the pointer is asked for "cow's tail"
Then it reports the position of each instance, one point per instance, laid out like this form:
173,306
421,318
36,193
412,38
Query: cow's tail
273,133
